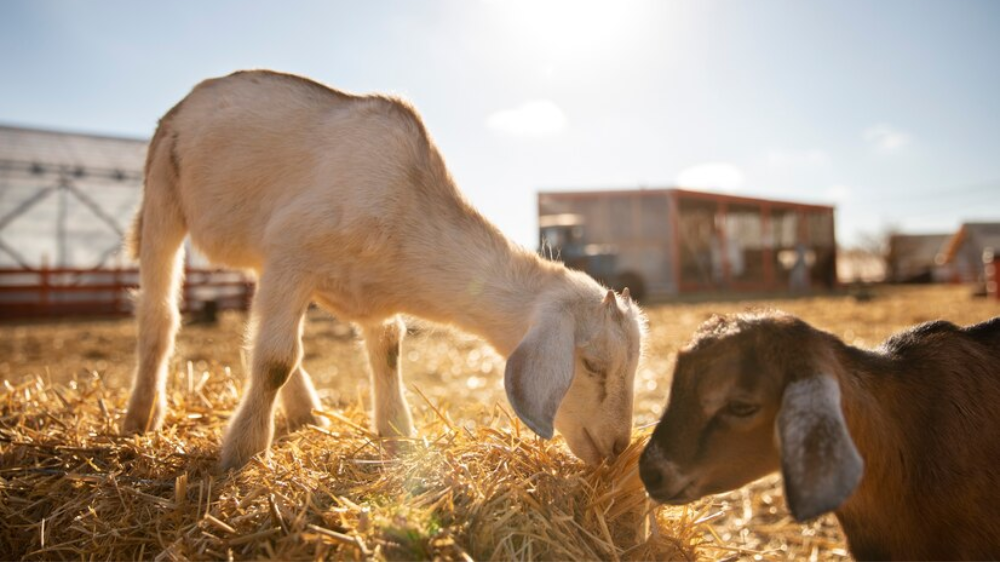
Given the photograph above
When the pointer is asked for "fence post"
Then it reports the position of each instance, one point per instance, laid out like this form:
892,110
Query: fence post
990,274
117,290
43,283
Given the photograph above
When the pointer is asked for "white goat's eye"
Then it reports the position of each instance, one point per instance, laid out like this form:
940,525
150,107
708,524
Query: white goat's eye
741,409
596,369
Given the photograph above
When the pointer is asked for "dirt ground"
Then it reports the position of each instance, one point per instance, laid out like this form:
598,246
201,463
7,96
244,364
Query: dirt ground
463,375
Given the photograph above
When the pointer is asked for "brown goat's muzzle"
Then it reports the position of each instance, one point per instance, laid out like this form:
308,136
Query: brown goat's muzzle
663,480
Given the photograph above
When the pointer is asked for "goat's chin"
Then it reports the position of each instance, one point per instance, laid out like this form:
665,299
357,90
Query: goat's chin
684,497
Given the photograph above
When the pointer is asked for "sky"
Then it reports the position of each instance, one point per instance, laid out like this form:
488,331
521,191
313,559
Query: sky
890,110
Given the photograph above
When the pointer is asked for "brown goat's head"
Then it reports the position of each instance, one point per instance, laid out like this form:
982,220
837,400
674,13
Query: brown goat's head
752,394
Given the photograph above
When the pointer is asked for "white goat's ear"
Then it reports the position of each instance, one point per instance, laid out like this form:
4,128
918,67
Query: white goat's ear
540,371
819,462
626,294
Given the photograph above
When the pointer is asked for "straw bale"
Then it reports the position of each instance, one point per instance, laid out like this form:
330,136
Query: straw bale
72,487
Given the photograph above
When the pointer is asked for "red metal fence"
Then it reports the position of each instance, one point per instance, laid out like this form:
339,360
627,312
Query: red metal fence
50,292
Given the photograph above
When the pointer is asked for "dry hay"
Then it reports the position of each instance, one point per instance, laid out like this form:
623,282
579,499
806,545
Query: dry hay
73,488
70,487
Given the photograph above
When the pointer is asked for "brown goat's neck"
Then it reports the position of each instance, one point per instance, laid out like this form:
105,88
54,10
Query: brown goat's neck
870,409
866,392
922,413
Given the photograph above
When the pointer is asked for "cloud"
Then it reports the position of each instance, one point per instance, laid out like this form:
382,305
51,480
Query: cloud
533,118
711,175
885,138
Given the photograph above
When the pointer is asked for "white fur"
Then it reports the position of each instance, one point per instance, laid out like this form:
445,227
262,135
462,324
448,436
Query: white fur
345,201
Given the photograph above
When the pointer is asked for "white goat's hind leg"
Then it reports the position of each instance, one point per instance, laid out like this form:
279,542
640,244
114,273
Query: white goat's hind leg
157,316
299,399
279,306
391,413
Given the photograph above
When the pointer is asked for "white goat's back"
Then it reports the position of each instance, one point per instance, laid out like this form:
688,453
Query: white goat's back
262,154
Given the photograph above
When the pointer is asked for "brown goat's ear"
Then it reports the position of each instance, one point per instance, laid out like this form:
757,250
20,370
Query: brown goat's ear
540,371
819,462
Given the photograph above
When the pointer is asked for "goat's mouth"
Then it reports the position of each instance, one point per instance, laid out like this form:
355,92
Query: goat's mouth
685,495
591,444
666,485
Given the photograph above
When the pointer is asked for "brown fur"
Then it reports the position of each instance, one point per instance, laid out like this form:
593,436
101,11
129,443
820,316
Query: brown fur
922,410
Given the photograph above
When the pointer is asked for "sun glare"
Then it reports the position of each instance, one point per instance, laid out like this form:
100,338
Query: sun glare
562,29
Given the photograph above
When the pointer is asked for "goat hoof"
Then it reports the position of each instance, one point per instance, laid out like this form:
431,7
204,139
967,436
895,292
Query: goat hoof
233,459
397,446
238,448
138,421
296,422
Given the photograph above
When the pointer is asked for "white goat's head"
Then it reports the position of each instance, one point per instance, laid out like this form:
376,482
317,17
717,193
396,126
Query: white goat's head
574,371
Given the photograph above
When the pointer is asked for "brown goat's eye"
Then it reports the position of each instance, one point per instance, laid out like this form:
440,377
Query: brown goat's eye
741,409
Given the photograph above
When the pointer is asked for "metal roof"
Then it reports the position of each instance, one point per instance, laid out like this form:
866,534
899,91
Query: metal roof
683,194
919,247
48,151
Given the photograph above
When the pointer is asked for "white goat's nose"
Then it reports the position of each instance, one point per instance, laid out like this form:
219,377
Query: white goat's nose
620,445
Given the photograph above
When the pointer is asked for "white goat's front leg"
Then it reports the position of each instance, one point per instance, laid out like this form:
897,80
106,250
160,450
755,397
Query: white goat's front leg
299,399
390,411
279,307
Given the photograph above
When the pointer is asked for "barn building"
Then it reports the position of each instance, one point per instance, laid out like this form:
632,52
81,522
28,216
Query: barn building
66,200
666,242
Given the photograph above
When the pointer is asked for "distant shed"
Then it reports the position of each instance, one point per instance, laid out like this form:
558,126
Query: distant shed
672,241
914,258
962,255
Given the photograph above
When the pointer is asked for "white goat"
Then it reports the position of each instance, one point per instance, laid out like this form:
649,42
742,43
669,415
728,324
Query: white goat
345,200
902,443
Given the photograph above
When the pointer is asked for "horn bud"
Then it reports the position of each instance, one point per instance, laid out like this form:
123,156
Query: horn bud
609,299
611,304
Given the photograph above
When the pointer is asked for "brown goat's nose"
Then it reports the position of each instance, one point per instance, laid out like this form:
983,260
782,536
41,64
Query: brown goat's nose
651,475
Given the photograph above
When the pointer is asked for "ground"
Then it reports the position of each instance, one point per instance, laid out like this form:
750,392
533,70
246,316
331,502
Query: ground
455,386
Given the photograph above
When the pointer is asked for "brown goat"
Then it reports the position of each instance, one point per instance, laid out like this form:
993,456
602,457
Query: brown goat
759,392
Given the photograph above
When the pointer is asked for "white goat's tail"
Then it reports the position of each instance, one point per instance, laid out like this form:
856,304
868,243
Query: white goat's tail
133,238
